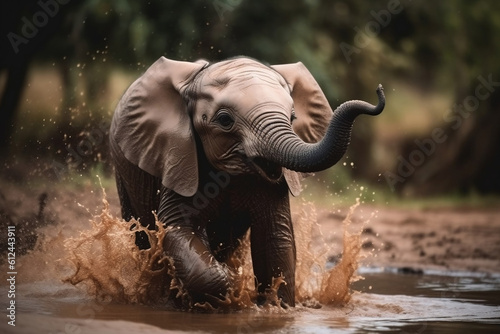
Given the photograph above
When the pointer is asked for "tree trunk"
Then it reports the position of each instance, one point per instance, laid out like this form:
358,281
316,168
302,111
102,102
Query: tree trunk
16,77
467,161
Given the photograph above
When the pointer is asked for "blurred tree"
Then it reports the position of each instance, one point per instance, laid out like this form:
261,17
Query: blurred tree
349,46
455,46
25,28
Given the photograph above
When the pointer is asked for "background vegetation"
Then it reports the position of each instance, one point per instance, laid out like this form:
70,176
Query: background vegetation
61,77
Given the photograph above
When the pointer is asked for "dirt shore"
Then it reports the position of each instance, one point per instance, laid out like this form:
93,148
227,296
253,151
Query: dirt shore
412,240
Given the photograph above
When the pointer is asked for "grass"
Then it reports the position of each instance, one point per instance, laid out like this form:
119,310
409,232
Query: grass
450,201
337,188
96,177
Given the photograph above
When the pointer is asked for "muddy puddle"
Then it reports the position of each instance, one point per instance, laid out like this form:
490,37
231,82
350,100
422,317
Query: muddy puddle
89,278
385,301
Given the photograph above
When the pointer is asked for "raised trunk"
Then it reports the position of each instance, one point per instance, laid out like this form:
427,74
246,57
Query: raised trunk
282,146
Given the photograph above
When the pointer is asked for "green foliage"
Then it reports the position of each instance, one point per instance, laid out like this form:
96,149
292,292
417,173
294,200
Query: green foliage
427,40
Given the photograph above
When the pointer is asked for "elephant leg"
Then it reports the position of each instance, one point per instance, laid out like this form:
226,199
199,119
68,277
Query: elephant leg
226,234
273,244
138,192
187,246
141,238
125,204
128,212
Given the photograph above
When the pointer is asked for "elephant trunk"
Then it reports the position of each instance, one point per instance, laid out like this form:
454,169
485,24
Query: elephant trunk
289,151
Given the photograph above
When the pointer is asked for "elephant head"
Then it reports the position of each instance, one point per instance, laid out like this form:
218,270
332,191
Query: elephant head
249,118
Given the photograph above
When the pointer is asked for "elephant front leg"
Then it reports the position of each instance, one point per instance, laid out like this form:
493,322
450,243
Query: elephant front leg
199,273
273,248
186,245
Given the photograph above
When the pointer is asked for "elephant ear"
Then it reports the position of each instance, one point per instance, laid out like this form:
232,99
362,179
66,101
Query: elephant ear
152,126
312,110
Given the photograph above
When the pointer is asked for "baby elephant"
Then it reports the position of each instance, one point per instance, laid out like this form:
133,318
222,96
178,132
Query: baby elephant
214,149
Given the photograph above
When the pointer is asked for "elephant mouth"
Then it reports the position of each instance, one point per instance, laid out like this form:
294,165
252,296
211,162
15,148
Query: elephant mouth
267,169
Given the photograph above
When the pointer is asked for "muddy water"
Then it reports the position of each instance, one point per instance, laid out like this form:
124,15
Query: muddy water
93,280
433,302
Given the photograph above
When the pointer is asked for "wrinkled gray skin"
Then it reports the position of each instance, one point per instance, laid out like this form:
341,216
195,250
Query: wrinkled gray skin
215,150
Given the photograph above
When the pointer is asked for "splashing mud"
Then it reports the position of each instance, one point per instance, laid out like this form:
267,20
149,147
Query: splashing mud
111,267
314,281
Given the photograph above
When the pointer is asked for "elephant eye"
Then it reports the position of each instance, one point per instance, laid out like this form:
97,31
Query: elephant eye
293,117
225,120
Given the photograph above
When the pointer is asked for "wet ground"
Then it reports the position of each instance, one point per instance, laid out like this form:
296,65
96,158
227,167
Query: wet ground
387,301
424,271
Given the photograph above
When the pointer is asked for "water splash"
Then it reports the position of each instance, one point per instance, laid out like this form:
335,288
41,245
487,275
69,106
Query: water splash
111,267
335,286
316,283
